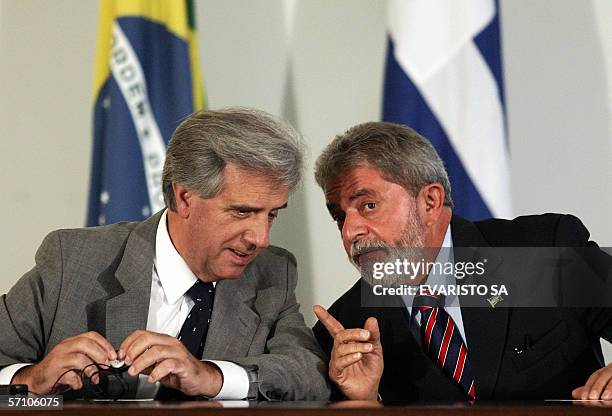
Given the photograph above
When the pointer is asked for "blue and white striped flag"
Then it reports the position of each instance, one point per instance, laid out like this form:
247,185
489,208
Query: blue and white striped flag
147,81
444,79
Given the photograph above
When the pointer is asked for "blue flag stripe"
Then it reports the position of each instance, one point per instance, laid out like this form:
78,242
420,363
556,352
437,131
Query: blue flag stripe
451,91
489,43
119,189
404,104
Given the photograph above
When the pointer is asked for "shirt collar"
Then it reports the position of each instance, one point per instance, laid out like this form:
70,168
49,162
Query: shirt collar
174,274
445,255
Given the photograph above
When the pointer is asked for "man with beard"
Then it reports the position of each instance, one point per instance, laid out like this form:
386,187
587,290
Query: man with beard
387,190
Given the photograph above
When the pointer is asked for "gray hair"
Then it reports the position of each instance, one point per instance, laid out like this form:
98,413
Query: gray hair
205,142
401,155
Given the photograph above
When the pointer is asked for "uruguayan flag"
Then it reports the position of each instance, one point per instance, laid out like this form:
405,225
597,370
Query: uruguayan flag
444,79
147,80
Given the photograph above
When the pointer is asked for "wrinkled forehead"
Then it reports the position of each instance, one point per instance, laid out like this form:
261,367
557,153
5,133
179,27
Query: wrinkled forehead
352,183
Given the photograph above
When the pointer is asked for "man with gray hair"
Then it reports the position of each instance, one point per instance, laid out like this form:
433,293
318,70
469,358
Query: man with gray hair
387,190
192,301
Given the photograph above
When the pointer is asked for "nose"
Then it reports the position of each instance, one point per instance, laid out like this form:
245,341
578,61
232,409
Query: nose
257,235
354,228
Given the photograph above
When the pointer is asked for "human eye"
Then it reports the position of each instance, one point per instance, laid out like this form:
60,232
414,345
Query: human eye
369,206
241,212
272,216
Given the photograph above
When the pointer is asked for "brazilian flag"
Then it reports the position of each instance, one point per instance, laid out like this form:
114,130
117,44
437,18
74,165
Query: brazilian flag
147,81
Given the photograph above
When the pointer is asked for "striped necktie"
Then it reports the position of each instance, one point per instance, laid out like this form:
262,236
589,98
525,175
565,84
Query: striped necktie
442,341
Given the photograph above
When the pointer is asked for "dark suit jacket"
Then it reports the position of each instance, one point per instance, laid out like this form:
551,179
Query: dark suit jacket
99,279
559,347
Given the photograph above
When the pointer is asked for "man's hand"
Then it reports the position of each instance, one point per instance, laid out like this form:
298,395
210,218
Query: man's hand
75,353
356,363
597,387
165,359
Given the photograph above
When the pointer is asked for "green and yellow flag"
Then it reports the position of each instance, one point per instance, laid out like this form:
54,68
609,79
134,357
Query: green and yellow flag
147,81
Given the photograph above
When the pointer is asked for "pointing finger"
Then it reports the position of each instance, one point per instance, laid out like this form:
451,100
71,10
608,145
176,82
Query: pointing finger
329,322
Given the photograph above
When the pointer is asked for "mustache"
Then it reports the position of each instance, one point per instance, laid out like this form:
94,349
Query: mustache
362,247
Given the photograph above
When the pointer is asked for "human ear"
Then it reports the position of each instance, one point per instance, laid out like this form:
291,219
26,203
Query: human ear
182,199
430,202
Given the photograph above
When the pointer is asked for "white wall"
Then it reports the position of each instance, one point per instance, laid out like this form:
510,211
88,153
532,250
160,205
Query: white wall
324,78
603,10
46,77
559,112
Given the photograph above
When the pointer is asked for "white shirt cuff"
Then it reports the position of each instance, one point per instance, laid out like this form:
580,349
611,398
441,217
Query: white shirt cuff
8,372
235,381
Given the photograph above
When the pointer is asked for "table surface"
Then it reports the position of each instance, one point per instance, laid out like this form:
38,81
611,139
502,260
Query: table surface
322,408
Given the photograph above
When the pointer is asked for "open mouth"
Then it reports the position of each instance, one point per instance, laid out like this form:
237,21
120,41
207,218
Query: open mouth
238,253
240,257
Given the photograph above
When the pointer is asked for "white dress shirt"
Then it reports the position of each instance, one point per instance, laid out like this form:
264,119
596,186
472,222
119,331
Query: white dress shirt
169,306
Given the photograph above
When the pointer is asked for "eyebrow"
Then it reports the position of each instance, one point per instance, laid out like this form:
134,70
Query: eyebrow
360,192
247,208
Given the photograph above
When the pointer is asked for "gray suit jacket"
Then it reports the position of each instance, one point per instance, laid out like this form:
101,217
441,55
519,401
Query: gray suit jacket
99,279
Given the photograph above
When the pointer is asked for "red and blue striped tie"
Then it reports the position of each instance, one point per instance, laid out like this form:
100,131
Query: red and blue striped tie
443,343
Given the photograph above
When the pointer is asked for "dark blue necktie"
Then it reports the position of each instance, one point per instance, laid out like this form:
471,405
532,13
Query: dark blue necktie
194,329
193,332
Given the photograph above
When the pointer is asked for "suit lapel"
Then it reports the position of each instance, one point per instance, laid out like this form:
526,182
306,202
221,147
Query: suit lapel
485,326
232,318
127,283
